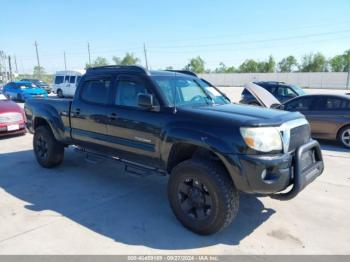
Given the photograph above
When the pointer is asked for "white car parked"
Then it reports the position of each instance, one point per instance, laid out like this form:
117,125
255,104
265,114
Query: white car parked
65,83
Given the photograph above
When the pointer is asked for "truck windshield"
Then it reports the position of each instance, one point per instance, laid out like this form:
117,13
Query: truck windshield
188,91
26,85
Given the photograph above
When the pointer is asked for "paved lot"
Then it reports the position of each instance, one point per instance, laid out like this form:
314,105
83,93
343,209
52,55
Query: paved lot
85,208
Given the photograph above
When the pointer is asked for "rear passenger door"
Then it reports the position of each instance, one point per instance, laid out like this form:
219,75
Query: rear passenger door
88,111
330,115
134,132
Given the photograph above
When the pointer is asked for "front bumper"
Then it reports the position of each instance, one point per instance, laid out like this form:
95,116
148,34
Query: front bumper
5,132
269,175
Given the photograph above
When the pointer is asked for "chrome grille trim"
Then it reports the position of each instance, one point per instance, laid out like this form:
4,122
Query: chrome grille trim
285,130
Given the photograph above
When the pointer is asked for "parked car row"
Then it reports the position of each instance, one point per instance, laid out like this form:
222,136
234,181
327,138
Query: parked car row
328,114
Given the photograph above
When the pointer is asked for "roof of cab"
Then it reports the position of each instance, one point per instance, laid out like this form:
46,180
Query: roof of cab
138,69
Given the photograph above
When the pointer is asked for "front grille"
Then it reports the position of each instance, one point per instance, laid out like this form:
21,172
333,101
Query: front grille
298,136
10,117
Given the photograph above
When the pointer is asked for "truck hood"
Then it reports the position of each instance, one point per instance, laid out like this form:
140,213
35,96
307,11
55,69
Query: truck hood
245,115
264,97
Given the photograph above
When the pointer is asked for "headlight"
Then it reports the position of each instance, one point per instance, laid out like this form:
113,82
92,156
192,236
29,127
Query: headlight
10,117
264,139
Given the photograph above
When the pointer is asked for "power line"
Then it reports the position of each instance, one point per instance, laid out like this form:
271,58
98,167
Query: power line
257,41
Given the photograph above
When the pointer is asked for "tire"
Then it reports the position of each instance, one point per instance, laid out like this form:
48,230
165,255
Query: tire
60,93
48,151
205,207
344,136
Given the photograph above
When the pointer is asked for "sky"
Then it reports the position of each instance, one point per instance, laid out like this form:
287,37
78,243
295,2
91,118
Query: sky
225,31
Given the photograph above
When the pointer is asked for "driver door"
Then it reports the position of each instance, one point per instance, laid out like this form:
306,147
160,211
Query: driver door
134,132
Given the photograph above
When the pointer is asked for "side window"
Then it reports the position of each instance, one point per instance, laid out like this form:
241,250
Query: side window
58,80
96,91
333,103
72,79
66,79
302,104
128,91
271,89
189,90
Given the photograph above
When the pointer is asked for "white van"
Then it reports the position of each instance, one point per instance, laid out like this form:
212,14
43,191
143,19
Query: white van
65,83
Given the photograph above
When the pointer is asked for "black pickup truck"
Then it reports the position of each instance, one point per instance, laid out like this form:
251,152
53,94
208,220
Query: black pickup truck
175,123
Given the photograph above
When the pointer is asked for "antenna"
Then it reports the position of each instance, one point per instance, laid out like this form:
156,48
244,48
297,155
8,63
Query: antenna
175,93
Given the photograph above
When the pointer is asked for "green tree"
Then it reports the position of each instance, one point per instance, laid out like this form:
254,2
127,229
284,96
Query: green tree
287,64
99,61
196,65
224,69
38,72
267,67
338,63
221,69
347,60
128,59
249,66
314,63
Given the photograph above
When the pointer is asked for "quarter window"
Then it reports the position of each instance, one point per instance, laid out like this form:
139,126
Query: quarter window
335,104
96,91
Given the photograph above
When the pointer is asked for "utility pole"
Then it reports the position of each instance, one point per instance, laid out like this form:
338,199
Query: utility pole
5,67
15,64
65,60
89,53
1,68
145,52
37,58
10,67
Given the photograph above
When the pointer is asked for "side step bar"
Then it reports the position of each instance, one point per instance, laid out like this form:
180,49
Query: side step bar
130,167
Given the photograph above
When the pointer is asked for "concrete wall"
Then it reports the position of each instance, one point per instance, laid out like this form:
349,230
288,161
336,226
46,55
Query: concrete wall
306,80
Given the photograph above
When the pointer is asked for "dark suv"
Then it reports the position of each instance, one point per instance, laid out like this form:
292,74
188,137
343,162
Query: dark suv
175,124
280,90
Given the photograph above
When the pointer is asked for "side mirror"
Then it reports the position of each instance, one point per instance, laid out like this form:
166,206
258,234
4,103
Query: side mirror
145,101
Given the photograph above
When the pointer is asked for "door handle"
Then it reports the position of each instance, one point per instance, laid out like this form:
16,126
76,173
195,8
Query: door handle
113,116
